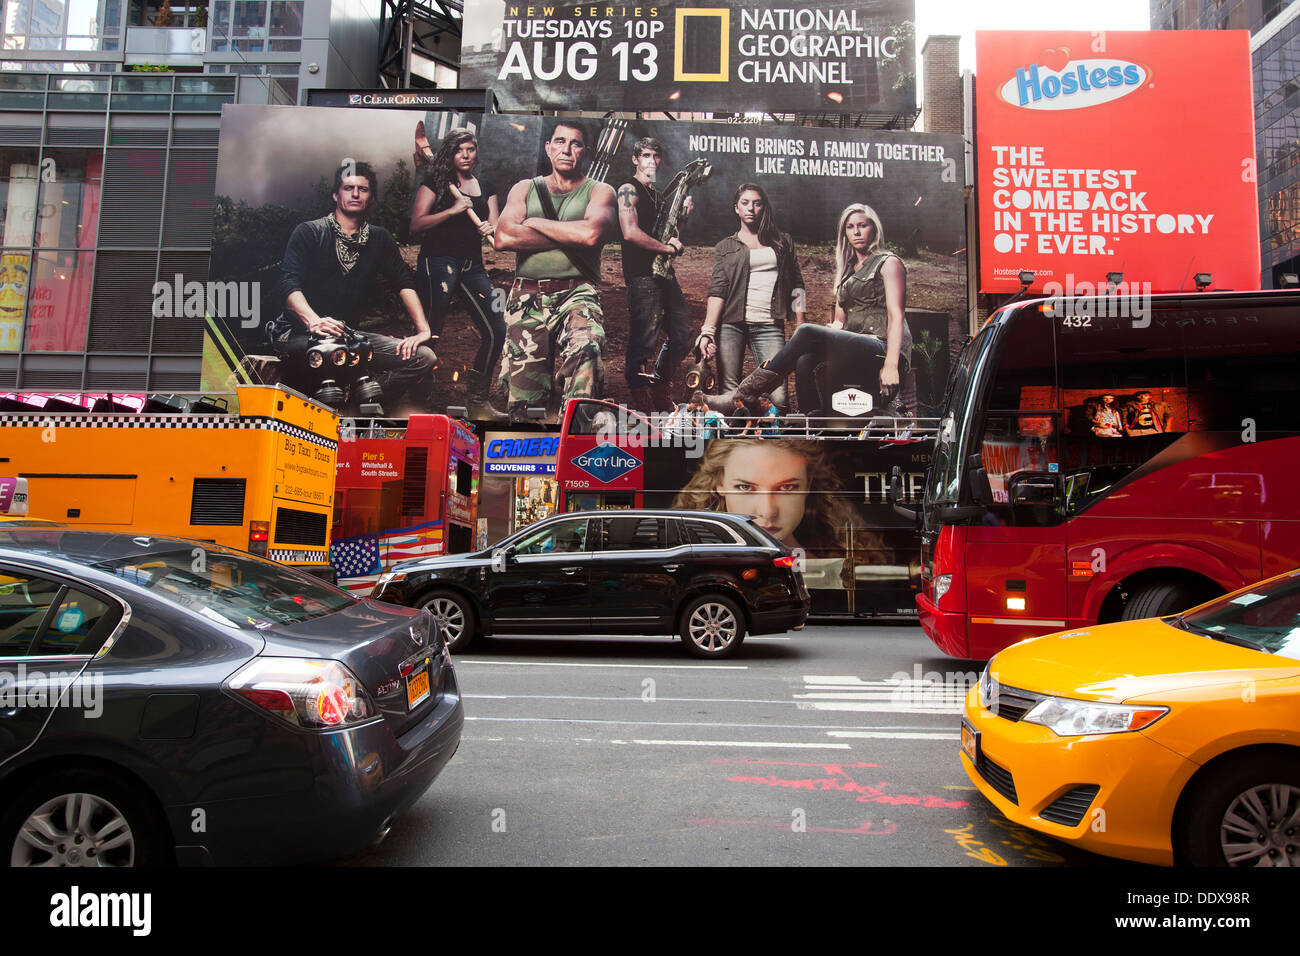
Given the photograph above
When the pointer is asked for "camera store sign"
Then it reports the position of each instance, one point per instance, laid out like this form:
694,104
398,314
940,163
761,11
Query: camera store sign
854,56
519,453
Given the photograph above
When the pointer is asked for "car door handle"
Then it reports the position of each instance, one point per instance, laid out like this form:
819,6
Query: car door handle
672,567
570,570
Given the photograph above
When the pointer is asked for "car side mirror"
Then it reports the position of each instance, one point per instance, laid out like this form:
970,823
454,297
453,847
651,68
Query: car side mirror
502,558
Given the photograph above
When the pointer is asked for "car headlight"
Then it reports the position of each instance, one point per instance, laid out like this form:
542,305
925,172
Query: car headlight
941,585
388,577
986,687
1075,718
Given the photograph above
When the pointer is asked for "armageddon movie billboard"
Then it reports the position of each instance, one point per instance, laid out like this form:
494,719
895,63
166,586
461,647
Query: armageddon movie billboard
275,174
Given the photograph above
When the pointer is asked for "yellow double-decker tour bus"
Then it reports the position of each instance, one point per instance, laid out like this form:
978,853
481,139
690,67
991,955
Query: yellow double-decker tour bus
253,470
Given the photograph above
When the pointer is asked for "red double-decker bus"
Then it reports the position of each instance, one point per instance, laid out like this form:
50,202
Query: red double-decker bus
401,493
1109,459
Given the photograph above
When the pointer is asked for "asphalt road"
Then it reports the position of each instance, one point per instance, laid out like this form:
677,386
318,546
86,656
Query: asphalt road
836,745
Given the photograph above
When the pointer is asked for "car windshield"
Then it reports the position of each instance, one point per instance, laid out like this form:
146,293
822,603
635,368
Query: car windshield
231,589
1266,616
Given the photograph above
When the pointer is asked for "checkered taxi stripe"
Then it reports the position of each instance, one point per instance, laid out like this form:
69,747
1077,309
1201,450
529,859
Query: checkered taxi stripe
218,422
289,554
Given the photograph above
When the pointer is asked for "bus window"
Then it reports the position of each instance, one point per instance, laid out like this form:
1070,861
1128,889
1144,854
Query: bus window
1241,369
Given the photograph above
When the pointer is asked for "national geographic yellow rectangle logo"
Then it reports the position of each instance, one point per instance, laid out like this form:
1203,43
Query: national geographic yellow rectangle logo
701,15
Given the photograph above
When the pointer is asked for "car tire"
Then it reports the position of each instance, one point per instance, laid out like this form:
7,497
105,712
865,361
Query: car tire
712,626
128,824
455,617
1158,600
1239,815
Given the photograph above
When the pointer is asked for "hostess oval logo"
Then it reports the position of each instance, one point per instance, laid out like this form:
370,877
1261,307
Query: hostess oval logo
1078,84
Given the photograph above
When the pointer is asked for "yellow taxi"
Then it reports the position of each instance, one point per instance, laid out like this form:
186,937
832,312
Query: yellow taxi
1169,740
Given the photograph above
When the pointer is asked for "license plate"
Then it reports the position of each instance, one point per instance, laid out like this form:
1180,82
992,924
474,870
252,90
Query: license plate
417,687
970,742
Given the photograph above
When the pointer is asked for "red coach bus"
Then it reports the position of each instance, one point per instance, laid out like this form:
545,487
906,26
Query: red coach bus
402,493
1108,459
826,497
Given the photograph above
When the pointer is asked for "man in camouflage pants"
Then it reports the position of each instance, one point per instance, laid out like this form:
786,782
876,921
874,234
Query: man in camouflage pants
557,225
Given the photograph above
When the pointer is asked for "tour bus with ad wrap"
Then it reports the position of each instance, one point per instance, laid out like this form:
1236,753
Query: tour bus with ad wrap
403,492
827,498
257,475
1111,459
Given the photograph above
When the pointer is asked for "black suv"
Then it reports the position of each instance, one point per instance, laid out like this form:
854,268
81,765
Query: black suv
708,576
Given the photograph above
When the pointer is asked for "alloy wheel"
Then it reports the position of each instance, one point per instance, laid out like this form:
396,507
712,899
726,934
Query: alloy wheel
712,626
1261,827
74,829
449,617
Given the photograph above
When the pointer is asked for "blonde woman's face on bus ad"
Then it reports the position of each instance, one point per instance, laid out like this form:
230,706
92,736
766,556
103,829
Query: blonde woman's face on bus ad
770,485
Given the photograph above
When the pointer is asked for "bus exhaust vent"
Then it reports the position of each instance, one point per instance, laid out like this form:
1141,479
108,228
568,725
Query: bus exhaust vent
414,481
299,527
217,501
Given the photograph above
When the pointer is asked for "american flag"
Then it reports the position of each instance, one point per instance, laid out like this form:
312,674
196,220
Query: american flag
354,557
373,553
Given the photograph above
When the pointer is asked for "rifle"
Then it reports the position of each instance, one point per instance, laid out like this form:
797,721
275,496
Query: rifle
696,172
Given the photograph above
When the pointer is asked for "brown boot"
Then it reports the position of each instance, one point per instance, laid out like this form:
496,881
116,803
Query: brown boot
761,381
479,404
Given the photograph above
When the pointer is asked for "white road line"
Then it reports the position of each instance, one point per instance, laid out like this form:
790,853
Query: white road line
891,735
677,723
888,696
739,743
631,698
658,667
883,707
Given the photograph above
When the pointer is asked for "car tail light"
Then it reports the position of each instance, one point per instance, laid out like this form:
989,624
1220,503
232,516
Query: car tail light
259,536
313,694
785,561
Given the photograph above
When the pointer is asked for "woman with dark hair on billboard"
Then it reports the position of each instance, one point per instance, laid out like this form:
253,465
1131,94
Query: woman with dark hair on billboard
790,490
868,328
756,285
453,211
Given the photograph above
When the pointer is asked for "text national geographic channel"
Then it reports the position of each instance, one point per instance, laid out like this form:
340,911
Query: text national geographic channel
855,56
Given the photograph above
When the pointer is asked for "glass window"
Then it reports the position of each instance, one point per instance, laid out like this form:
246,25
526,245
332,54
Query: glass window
633,534
706,532
1243,367
286,18
59,313
563,537
1026,364
24,602
19,185
79,625
232,589
68,212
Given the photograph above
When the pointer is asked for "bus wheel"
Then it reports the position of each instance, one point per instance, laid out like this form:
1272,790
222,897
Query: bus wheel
1157,600
712,626
454,616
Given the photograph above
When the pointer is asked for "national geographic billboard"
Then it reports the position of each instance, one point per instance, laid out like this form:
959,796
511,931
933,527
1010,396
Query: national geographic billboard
497,305
844,55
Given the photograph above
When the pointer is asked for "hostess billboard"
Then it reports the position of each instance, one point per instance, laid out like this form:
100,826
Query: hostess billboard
836,55
1117,152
